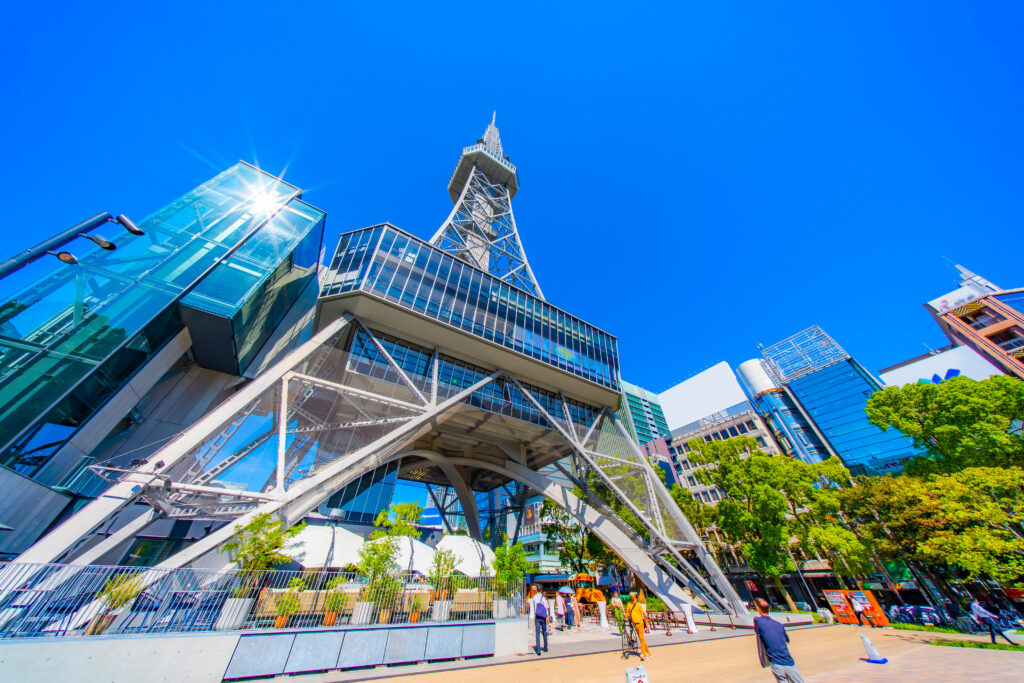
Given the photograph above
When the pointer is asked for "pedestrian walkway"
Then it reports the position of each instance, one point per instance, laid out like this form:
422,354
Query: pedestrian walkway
823,654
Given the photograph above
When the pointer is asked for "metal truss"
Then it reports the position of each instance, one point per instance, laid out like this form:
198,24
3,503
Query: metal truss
324,416
481,231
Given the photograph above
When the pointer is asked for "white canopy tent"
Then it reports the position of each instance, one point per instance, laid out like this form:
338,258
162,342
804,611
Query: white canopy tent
475,559
324,547
413,556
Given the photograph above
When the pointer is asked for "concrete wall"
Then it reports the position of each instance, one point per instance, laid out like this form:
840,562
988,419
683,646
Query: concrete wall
198,658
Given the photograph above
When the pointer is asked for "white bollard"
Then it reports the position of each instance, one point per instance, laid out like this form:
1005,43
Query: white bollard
602,609
637,674
874,656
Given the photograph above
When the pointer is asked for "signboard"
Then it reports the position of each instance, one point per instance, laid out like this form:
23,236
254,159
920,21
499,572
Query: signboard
842,602
637,674
955,299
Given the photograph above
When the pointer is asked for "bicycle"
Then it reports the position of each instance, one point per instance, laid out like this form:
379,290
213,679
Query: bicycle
630,644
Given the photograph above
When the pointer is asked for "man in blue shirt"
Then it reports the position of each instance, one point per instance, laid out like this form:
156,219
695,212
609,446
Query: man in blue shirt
772,645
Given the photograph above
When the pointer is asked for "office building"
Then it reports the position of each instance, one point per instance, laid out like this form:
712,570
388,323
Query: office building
986,318
830,388
737,420
794,432
643,413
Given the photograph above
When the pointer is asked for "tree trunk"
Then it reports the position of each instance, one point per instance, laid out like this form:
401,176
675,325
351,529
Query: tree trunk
785,593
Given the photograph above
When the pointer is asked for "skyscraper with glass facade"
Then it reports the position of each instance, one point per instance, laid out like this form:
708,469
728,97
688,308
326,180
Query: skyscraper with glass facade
170,317
642,412
831,390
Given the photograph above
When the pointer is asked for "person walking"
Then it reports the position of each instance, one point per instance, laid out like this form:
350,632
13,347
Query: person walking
643,606
569,611
639,620
539,607
618,611
577,612
983,616
560,610
772,646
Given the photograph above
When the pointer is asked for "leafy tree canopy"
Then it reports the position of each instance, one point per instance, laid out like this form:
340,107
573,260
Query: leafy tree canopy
972,519
398,520
510,564
258,545
959,423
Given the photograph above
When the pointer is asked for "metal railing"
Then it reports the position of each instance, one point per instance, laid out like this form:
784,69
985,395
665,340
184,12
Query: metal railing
54,600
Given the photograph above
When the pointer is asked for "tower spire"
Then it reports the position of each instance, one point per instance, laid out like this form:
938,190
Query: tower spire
491,139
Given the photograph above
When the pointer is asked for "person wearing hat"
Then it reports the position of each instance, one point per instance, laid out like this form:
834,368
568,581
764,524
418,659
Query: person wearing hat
637,617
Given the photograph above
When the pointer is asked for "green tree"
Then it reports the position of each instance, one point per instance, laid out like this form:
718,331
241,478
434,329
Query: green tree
400,519
959,422
772,503
259,545
570,539
510,566
972,519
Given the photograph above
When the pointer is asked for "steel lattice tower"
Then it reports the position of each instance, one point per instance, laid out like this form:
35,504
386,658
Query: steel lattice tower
481,229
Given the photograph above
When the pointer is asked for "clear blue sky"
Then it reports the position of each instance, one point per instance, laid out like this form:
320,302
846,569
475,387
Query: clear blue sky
696,180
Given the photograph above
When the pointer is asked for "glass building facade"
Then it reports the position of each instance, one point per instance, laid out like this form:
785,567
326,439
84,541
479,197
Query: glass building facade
71,336
793,433
835,397
643,413
395,266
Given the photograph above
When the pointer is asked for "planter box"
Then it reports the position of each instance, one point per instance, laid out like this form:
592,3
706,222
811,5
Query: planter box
234,613
363,613
441,610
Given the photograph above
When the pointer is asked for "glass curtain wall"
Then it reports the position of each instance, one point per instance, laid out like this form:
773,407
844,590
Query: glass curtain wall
72,335
402,269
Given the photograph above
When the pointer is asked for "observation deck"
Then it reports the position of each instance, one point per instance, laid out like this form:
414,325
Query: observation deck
498,169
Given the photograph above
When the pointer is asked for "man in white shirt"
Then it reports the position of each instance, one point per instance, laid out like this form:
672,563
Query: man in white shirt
983,616
539,607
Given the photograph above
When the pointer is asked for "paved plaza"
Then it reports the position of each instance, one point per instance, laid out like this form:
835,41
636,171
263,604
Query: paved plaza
823,654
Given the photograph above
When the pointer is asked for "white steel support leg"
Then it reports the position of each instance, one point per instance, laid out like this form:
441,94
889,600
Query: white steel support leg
306,494
62,539
282,433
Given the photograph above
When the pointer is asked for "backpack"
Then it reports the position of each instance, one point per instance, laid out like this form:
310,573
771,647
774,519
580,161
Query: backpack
541,609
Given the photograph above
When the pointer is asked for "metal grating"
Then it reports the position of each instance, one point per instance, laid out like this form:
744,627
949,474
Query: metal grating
803,353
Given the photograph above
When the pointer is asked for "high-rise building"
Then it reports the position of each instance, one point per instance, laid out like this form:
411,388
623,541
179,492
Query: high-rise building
831,390
738,420
111,350
794,433
986,318
643,413
433,362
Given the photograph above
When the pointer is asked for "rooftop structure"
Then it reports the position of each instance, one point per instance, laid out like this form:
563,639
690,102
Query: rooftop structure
707,392
801,354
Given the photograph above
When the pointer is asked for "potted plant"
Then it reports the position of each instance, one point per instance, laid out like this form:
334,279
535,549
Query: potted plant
119,591
289,603
419,603
255,548
510,566
440,577
377,564
384,591
335,600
